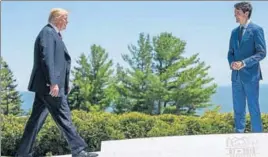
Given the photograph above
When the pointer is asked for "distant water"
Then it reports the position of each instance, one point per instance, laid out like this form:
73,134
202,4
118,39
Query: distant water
27,98
222,98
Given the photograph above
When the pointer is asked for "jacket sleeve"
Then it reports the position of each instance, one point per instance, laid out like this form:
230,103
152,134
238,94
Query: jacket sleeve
260,48
48,57
230,52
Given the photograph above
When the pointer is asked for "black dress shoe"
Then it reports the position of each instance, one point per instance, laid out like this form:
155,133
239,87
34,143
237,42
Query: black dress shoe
85,154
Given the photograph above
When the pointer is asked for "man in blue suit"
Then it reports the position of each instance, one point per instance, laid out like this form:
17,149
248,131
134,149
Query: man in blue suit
246,49
50,82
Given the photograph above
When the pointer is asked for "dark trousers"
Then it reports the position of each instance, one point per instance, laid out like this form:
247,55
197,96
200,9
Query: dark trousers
59,109
242,93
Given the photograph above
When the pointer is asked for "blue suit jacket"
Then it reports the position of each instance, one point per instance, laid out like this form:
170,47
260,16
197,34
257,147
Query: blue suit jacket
51,62
251,51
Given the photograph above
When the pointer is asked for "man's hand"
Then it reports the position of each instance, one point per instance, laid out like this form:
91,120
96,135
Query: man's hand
54,90
237,65
234,66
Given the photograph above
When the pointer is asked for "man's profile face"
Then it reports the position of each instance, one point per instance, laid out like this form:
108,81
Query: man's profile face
240,16
62,21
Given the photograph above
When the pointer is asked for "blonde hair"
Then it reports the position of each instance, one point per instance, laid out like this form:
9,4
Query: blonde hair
55,13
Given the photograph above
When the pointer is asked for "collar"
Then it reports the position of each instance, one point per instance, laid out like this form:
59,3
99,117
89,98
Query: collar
57,30
245,25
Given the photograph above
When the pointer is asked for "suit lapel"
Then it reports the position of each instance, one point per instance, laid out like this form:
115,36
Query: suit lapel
59,38
66,52
237,37
247,32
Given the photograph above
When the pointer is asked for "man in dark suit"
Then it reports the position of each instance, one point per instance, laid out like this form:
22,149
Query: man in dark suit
50,82
247,48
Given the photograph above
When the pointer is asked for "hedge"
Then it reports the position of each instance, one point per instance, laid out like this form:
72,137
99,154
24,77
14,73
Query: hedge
97,127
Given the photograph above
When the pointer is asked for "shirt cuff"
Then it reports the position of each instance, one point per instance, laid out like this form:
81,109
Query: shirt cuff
243,63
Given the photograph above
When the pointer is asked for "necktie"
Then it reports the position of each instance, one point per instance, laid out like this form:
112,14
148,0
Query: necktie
60,35
241,33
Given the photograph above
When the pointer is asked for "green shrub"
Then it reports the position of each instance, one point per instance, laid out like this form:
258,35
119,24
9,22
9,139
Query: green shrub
100,126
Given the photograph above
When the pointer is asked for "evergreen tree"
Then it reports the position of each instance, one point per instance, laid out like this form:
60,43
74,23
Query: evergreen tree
160,78
136,85
92,81
133,82
185,79
10,97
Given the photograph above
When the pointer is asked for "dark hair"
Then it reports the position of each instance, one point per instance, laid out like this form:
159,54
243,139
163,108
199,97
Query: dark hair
244,6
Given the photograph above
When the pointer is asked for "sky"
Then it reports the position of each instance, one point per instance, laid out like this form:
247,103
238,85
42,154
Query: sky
205,26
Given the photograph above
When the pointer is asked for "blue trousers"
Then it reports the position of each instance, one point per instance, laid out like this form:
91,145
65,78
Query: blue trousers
242,93
59,109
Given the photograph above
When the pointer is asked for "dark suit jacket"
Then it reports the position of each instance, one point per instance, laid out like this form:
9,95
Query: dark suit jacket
251,50
51,62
